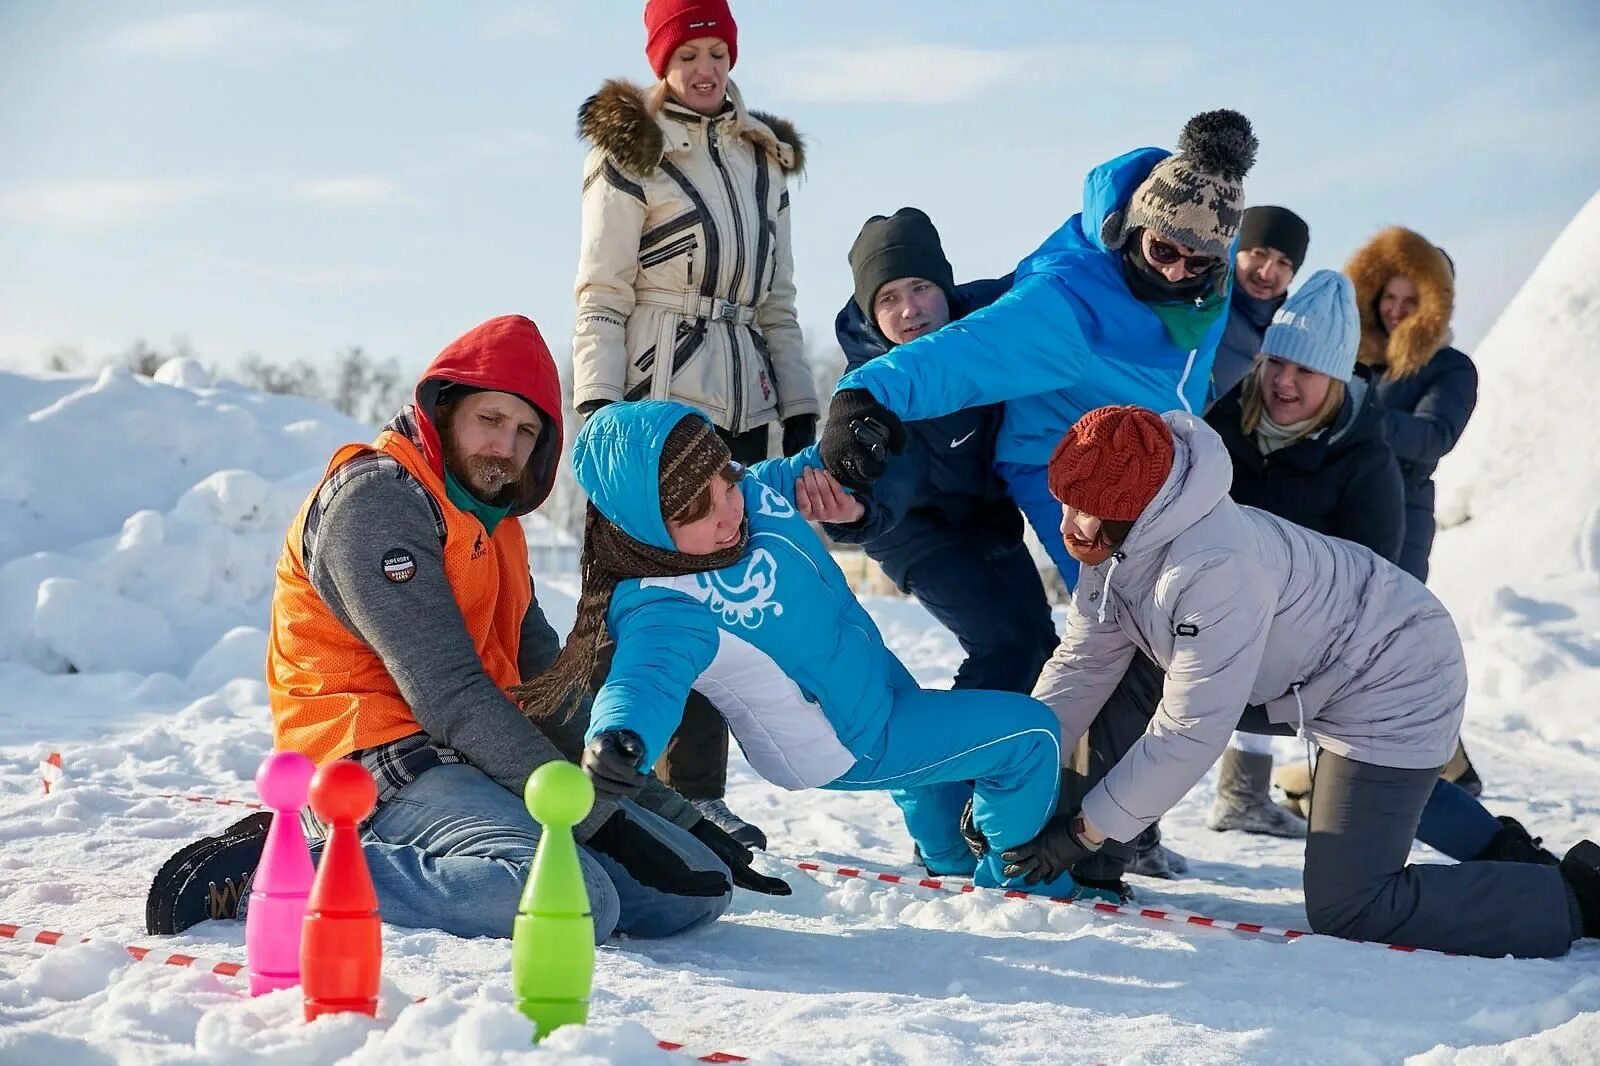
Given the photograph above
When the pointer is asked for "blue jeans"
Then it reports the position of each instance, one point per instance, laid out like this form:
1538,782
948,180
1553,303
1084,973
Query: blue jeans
1455,823
451,851
1030,490
943,746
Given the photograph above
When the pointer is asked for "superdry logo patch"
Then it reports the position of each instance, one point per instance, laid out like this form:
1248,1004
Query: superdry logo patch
398,565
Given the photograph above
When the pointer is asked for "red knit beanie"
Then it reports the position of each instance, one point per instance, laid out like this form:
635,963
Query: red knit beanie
668,23
1112,462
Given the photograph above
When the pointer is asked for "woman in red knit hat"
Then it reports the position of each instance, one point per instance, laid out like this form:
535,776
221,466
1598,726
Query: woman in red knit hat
686,281
1312,635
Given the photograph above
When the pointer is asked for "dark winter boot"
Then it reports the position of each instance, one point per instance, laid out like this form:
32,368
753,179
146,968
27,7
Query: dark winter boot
1581,868
716,812
1152,859
1244,798
1460,771
1116,892
208,879
1513,843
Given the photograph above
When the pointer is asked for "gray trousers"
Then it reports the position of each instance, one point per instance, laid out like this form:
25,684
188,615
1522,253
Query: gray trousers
1357,883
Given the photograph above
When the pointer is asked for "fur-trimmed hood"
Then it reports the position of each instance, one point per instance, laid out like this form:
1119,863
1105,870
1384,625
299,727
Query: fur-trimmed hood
624,120
1397,250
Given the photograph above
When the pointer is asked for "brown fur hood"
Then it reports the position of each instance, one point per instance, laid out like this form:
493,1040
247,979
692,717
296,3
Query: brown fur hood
1397,250
622,119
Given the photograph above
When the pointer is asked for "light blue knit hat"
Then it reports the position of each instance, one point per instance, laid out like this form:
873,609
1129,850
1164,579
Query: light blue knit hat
1318,327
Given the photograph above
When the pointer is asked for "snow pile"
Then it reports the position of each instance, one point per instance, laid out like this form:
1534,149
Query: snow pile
140,522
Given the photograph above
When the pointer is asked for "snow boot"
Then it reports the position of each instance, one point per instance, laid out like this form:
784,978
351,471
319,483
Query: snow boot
1295,781
1513,843
716,812
1581,868
990,875
1152,859
1244,798
207,880
1460,771
1115,892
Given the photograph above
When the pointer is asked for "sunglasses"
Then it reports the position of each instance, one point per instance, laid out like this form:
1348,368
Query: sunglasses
1162,253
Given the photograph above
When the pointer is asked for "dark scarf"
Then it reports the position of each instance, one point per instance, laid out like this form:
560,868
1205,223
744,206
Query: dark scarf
1149,285
693,455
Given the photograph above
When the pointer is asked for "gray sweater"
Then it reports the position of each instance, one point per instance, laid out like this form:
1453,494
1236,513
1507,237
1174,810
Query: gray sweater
417,630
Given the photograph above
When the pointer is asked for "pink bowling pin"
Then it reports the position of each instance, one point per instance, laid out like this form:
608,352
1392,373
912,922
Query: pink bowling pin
283,879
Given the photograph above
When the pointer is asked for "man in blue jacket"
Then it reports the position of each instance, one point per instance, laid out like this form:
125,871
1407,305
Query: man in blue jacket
942,526
1125,303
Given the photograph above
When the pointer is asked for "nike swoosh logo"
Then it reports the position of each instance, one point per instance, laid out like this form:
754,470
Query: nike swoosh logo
958,442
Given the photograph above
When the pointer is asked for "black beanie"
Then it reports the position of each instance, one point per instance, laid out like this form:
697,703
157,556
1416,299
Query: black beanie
1275,227
901,245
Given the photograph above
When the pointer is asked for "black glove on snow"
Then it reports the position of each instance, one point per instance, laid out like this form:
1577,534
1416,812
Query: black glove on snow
799,433
736,857
860,436
977,843
650,862
612,762
1048,855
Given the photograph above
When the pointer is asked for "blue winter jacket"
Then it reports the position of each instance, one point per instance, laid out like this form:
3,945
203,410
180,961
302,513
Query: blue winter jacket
776,641
943,489
1069,337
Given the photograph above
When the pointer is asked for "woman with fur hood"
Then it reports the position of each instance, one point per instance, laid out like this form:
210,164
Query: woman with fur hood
1316,635
685,282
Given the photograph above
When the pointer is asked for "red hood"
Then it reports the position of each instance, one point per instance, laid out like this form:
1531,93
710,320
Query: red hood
504,354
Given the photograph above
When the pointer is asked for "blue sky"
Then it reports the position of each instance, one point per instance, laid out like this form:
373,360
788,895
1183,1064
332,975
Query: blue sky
293,178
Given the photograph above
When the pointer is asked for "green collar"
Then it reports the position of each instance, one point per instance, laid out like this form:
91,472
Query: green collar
1187,322
488,514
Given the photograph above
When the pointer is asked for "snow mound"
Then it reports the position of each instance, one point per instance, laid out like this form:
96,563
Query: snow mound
1522,491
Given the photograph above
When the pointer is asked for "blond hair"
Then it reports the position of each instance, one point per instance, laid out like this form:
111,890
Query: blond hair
1254,408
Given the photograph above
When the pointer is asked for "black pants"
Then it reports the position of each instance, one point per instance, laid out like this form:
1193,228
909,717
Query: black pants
996,607
695,761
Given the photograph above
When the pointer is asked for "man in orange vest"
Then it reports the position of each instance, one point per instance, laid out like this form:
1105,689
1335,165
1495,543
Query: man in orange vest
403,612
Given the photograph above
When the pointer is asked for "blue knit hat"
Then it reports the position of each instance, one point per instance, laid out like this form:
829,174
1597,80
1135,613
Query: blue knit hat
1318,327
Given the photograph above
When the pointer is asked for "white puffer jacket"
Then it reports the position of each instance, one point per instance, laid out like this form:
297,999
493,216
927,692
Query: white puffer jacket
686,275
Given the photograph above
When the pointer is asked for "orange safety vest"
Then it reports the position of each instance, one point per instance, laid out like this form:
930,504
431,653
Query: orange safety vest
330,692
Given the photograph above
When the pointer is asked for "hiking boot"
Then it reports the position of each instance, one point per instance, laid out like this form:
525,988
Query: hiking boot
1115,892
207,880
1152,859
1244,798
1513,843
1581,868
716,812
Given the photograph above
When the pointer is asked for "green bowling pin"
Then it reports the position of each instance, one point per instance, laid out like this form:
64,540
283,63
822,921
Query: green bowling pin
552,943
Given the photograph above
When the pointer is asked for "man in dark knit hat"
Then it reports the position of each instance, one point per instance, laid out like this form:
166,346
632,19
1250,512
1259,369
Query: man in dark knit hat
1272,248
944,528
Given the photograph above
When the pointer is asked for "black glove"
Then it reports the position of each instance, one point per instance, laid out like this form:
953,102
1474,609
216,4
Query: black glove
651,862
860,436
612,762
1048,855
799,433
977,843
589,407
736,857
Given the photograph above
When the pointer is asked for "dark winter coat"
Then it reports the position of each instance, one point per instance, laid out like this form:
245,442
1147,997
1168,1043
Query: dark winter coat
1427,388
1343,483
942,489
1248,319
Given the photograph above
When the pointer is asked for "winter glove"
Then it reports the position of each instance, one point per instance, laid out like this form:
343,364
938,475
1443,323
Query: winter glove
612,762
860,436
651,862
977,843
589,407
1048,855
736,857
799,433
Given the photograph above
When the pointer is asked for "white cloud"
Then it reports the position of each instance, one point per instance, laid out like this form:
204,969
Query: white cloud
946,74
356,190
206,32
93,204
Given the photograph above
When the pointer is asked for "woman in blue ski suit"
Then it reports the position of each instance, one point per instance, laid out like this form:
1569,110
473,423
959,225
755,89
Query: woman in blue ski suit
738,599
1102,313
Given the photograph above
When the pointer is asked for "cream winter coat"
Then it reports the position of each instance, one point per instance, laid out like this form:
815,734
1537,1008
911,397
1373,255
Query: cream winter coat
686,274
1239,607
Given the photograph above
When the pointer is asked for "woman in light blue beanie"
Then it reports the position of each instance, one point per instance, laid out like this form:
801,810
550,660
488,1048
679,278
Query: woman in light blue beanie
1308,355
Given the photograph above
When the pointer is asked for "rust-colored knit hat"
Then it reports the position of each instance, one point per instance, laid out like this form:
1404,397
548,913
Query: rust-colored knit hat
1112,462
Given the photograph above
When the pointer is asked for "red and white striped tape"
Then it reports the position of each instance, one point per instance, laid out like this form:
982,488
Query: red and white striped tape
50,771
24,934
1096,906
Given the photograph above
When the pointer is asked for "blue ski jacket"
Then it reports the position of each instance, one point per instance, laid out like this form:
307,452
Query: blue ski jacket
1069,337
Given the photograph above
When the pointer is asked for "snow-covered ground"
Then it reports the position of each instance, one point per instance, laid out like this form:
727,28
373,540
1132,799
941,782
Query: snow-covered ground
139,524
